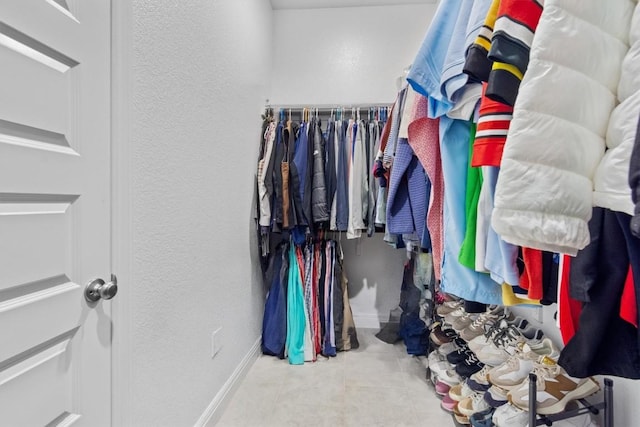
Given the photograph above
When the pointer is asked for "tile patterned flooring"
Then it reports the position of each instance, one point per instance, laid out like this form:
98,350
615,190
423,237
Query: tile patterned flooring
377,385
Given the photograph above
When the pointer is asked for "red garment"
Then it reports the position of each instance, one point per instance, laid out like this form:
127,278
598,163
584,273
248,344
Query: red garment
628,306
424,139
568,308
531,278
491,134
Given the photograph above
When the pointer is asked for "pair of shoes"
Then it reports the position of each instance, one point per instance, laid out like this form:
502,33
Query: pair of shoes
479,381
472,404
495,396
454,345
510,416
440,335
442,388
459,417
516,369
448,404
469,366
478,326
483,418
505,344
459,355
555,388
448,307
460,391
460,323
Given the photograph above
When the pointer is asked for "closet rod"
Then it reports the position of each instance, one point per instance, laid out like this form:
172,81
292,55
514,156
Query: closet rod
326,108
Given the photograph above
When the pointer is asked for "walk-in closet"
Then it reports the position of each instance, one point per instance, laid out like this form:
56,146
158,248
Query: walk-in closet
463,197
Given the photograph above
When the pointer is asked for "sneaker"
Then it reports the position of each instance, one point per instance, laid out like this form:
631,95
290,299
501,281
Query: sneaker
460,419
462,322
483,418
442,388
516,369
460,391
448,404
447,348
450,317
458,356
442,336
495,396
479,381
491,332
448,307
510,416
472,404
450,377
469,366
479,326
555,388
503,346
440,368
435,357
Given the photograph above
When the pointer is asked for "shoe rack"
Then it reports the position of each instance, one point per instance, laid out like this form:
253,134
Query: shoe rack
585,406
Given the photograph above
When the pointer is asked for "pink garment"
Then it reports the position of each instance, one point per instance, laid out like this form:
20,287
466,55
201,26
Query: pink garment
424,139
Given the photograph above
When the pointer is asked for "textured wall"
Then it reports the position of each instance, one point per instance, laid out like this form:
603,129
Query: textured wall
351,56
344,55
200,77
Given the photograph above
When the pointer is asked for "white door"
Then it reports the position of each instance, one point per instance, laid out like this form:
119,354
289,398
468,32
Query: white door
55,347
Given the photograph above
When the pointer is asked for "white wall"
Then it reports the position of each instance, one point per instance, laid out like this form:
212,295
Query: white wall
350,56
200,74
344,55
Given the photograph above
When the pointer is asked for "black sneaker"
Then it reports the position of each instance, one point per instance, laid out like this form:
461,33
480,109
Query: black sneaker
469,366
458,356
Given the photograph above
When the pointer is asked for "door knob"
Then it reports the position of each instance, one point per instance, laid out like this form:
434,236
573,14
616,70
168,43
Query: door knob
97,289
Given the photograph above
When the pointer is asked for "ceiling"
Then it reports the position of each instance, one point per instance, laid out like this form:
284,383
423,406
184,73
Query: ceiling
316,4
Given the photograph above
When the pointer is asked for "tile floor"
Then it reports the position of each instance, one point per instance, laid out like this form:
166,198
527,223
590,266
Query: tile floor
376,385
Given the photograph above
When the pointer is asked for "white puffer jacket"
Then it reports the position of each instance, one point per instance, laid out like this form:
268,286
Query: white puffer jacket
611,180
557,137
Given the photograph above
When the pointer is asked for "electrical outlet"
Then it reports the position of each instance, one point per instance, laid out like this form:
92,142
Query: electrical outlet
216,342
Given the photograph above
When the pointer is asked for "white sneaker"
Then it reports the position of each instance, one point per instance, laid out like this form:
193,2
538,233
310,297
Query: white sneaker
502,347
517,367
472,404
555,388
460,391
439,368
450,377
510,416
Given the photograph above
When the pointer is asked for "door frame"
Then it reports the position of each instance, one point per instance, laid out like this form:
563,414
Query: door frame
121,218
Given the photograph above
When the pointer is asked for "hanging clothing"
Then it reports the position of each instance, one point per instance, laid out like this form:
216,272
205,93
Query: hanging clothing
511,41
600,327
424,139
406,203
274,321
544,193
358,186
342,192
296,319
456,278
319,205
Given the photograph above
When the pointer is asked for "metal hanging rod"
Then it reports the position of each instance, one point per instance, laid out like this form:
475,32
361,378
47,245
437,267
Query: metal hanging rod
326,107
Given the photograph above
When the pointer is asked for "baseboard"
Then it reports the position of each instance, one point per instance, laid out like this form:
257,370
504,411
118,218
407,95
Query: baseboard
214,411
369,321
